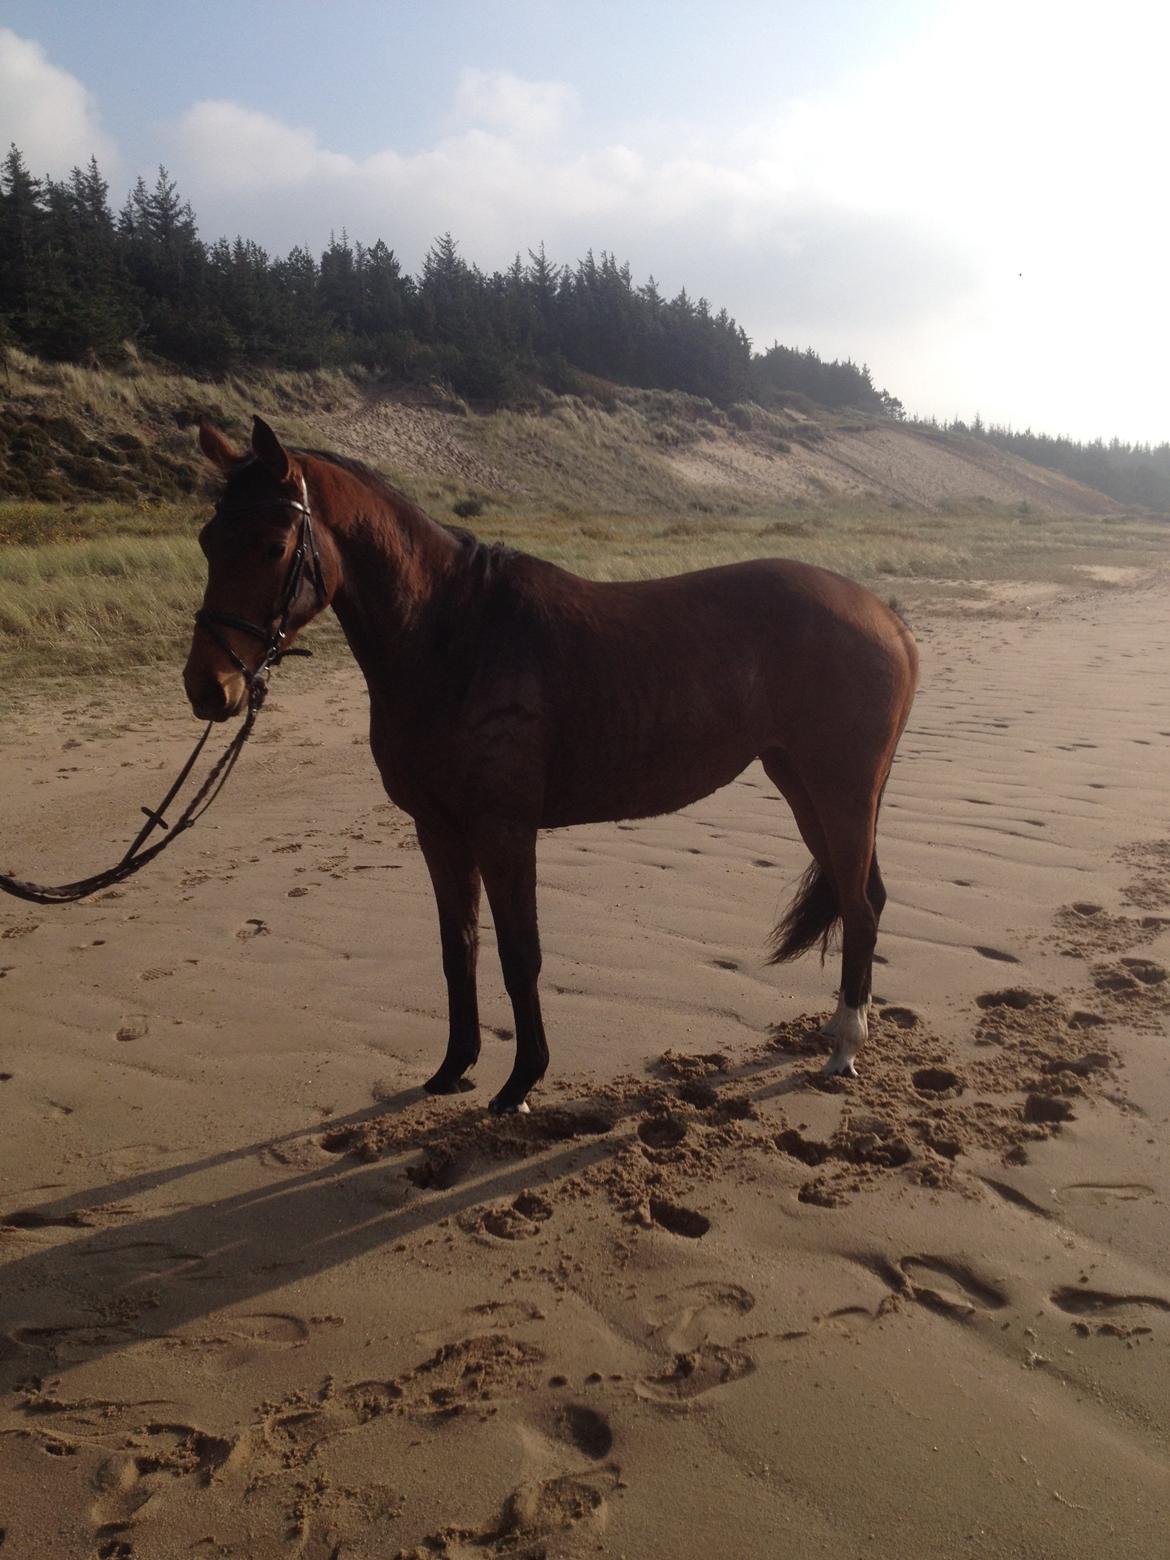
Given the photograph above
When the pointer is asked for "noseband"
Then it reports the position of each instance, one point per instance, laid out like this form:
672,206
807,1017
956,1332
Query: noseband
305,558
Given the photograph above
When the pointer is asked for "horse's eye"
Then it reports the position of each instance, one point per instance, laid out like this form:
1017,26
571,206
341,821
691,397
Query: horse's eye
276,550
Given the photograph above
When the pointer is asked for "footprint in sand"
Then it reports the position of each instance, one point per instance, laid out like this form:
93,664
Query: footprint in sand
696,1372
707,1307
1082,1018
276,1329
585,1428
1145,970
902,1017
1103,1193
662,1131
483,1368
519,1219
530,1515
1014,997
438,1171
677,1219
1047,1110
253,927
937,1083
154,1455
949,1287
458,1377
701,1095
1078,1301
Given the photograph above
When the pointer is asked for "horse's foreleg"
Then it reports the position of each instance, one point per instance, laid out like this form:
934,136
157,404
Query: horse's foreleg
455,878
507,859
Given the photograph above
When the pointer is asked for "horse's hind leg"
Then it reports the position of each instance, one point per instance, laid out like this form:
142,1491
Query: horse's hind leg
455,879
850,829
839,830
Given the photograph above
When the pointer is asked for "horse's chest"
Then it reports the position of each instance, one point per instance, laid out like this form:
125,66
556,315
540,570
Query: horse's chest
487,762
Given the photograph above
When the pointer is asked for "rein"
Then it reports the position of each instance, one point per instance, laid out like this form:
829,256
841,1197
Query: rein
139,853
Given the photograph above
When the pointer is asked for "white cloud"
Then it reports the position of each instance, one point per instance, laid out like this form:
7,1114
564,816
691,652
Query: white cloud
511,105
47,112
239,149
691,220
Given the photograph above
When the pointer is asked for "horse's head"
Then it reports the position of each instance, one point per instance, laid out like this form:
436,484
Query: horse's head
264,574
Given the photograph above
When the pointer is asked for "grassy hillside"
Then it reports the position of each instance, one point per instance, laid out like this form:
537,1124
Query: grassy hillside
102,487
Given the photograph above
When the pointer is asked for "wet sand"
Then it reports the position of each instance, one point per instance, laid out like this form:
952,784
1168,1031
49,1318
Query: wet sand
260,1297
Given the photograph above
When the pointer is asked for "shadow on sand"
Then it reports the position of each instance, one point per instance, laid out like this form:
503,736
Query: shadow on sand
127,1282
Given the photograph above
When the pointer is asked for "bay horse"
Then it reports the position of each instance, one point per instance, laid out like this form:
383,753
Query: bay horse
508,695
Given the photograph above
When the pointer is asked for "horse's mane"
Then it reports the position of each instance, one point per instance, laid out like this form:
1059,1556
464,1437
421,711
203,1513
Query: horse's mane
489,592
484,561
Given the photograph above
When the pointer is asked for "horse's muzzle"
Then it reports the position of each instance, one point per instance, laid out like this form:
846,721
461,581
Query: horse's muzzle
215,700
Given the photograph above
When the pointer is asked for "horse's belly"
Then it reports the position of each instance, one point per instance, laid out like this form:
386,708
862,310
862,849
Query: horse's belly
605,785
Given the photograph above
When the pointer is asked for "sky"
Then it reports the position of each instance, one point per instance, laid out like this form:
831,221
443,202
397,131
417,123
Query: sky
971,199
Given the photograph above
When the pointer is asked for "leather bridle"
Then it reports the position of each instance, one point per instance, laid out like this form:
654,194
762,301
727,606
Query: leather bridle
305,559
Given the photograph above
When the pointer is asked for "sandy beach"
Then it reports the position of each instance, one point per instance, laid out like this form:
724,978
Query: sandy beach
260,1297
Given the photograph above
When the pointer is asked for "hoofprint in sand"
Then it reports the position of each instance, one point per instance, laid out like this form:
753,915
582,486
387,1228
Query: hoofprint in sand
262,1298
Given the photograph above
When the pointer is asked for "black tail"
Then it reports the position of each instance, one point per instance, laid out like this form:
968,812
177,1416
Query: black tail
809,919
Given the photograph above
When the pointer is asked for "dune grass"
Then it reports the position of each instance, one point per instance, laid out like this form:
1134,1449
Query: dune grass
628,486
144,392
101,603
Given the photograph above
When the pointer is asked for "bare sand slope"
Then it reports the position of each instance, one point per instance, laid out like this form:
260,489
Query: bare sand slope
261,1298
893,464
882,461
890,462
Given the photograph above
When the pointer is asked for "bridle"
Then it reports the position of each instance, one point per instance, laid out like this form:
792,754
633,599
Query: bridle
272,638
305,554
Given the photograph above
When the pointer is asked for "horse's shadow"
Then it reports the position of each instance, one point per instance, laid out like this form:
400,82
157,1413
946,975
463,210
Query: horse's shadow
125,1283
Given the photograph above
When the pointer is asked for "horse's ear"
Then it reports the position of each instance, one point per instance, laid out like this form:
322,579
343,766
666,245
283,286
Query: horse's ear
270,452
217,449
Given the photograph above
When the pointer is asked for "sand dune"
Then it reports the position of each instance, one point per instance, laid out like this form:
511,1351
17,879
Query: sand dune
262,1298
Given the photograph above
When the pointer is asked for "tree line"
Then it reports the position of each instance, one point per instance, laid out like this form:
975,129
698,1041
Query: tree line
1137,475
78,282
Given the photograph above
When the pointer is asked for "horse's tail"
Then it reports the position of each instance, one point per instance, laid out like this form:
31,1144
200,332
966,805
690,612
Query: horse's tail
809,919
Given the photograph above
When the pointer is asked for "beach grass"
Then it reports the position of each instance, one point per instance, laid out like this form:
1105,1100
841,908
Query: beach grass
121,591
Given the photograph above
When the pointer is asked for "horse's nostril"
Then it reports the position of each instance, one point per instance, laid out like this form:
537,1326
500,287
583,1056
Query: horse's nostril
210,702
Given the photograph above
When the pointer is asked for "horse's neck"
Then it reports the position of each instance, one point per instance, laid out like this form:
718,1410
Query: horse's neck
393,564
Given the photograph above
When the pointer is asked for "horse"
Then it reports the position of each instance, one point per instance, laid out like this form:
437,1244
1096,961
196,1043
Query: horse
508,695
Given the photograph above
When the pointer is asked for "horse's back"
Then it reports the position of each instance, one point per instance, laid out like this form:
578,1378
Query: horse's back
659,691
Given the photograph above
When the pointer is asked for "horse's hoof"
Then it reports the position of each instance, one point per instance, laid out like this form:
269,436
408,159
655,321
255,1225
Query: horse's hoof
444,1083
502,1107
834,1069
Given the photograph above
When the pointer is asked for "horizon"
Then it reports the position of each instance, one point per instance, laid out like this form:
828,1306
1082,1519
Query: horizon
905,191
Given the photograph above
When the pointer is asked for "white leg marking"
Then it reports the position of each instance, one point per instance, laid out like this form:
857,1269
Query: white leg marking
848,1029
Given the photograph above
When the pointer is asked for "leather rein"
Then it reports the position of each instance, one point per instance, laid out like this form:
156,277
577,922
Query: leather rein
305,560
